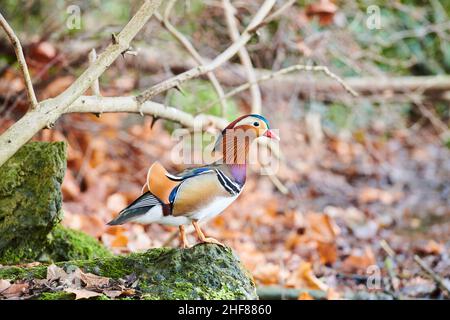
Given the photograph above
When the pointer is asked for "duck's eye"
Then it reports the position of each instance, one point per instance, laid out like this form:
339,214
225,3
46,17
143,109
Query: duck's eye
256,124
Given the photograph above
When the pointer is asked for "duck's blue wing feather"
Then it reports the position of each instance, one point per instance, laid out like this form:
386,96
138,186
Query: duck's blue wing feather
189,173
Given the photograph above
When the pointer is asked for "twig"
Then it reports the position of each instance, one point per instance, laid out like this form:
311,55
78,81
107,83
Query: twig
243,56
276,13
219,60
21,59
298,67
281,293
438,279
95,87
193,52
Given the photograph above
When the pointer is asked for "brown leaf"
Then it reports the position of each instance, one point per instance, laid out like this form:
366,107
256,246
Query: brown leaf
112,293
267,274
4,284
82,293
430,247
305,296
15,290
321,227
120,241
93,281
55,273
359,261
306,274
327,252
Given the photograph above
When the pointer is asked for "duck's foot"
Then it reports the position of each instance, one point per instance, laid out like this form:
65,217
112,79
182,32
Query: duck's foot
183,239
202,237
212,240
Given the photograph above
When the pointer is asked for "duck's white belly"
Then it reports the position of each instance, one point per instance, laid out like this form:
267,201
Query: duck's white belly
213,209
155,214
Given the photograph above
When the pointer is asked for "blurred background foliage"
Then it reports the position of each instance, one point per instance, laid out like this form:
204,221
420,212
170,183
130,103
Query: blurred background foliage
413,40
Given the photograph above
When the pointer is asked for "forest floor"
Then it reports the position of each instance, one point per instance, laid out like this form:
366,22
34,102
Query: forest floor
357,207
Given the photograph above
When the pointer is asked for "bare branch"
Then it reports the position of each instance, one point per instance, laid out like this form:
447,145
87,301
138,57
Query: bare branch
95,87
50,110
219,60
193,52
272,75
91,104
243,56
21,59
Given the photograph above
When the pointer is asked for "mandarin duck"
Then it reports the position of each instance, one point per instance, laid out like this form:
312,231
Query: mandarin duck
198,193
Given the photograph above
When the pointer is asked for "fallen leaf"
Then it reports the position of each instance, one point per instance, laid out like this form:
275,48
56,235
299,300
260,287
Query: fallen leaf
306,274
4,284
359,261
267,274
327,252
321,227
15,290
82,293
55,273
112,293
93,281
305,296
430,247
120,241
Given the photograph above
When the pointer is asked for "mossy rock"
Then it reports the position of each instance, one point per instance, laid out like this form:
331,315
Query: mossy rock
202,272
30,209
30,199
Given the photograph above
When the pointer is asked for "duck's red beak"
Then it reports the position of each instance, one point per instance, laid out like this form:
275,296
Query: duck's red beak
272,135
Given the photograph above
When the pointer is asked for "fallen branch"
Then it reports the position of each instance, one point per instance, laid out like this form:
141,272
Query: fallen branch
281,293
434,276
21,59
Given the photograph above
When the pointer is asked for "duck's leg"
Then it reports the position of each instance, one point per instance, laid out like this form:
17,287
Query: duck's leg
183,240
202,237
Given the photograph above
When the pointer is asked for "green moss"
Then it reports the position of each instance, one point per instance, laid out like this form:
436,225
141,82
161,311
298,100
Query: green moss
30,209
30,199
66,244
20,273
56,295
201,272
